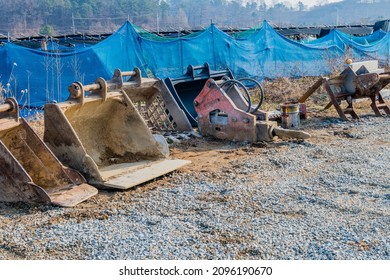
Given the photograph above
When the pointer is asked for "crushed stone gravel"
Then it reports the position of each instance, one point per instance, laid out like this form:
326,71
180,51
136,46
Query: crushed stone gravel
327,197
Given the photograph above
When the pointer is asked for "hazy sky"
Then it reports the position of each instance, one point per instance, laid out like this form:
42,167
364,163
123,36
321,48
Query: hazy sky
308,3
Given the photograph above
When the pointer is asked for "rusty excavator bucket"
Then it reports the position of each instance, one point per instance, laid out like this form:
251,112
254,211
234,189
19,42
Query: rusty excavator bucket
99,132
29,171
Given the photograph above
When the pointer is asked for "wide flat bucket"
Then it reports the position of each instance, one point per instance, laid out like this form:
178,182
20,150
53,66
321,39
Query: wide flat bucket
30,172
104,137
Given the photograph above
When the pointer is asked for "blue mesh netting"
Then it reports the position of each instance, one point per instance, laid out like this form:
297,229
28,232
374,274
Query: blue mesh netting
55,47
36,77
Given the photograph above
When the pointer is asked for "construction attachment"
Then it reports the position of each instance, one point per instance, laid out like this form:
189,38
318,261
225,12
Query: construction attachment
358,80
99,132
186,88
153,100
29,171
230,116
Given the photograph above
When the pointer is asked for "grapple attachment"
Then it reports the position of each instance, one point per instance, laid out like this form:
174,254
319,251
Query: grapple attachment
29,171
102,135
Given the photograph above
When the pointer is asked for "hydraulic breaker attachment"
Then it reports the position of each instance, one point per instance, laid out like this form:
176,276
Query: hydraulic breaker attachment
358,80
29,171
99,132
186,88
219,116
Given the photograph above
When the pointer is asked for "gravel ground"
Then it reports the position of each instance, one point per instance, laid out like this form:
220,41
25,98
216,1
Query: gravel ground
324,198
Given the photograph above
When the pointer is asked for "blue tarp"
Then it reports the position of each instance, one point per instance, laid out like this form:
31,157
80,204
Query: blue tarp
36,77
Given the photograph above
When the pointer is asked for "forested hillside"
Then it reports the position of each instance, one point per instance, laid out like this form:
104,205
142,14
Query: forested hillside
55,17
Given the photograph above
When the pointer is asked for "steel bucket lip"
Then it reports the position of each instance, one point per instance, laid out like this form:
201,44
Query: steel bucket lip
31,173
100,132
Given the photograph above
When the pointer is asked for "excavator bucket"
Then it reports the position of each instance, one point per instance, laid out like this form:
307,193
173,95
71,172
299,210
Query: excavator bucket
153,100
102,135
29,171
